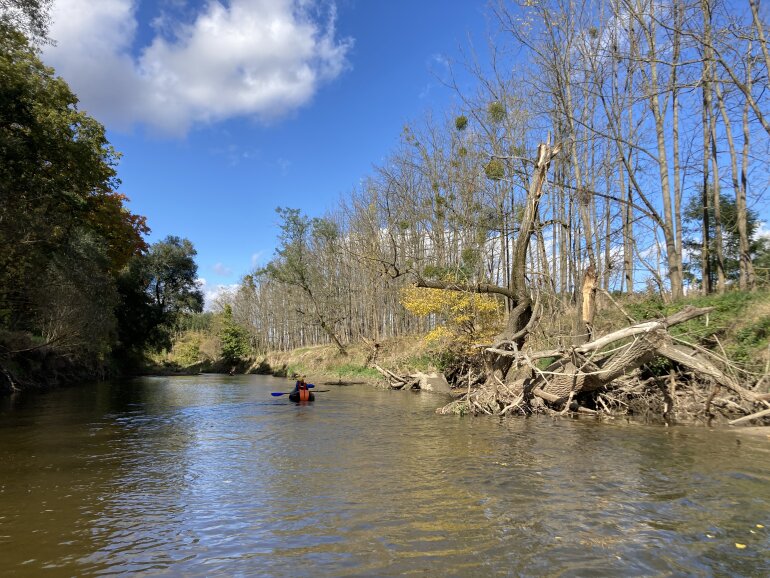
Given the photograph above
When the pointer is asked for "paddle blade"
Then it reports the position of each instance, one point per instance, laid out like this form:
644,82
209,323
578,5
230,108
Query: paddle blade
310,385
276,394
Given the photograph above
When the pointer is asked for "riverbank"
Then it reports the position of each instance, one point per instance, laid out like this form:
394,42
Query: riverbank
736,330
723,379
27,365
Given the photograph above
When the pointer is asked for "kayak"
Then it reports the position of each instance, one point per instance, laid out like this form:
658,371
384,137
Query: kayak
302,395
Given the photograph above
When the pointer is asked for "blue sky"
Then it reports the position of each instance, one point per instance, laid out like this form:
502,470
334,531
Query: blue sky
224,111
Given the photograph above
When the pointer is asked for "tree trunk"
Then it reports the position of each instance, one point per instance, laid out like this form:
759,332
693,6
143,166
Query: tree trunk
709,144
705,258
673,257
521,314
742,211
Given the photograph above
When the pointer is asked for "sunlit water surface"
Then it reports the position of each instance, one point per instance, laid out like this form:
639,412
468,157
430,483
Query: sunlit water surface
211,476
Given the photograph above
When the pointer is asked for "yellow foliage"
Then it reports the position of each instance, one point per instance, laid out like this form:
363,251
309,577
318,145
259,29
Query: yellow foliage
438,334
467,317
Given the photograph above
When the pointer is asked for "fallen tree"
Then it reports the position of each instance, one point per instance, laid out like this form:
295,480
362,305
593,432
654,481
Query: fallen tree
600,376
605,377
593,377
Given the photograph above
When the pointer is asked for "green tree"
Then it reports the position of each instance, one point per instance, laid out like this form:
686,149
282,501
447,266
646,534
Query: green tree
730,237
172,278
73,301
304,244
233,337
30,17
64,230
157,290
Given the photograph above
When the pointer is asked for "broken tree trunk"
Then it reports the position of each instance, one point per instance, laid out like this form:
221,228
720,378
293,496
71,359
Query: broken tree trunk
519,295
584,328
523,314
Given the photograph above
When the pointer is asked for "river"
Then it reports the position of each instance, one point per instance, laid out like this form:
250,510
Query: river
211,476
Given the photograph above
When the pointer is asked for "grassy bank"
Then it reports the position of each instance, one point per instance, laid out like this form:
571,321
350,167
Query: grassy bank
738,328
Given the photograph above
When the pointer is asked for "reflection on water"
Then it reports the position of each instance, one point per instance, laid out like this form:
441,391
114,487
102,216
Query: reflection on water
211,476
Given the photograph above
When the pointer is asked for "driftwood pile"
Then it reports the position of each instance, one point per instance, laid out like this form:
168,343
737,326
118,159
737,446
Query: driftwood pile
603,377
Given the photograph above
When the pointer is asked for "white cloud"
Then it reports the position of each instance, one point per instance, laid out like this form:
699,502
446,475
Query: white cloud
213,293
284,165
222,269
257,258
234,154
256,58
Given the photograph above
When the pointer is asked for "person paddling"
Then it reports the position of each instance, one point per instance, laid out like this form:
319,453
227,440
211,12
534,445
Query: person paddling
300,391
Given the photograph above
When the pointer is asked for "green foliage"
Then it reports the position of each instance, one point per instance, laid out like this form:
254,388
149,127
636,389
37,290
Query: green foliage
652,308
158,291
171,274
72,304
727,308
325,230
195,322
292,263
465,271
658,367
461,122
308,248
352,371
495,170
545,362
29,17
234,338
437,272
750,341
187,349
740,322
693,216
471,258
496,112
65,233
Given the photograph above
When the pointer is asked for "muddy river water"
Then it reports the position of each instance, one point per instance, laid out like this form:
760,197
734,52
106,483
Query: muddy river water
212,476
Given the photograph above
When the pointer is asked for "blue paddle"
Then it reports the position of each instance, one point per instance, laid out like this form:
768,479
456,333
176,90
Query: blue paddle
277,393
309,386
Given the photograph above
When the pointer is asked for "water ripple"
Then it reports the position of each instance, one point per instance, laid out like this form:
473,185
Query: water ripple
203,476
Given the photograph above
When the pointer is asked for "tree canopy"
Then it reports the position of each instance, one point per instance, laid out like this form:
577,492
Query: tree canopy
296,265
65,232
76,274
27,16
234,338
158,289
728,221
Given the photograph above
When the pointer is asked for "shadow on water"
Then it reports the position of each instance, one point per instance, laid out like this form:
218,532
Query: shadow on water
210,475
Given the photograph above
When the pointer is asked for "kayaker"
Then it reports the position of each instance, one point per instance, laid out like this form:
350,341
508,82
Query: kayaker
300,391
